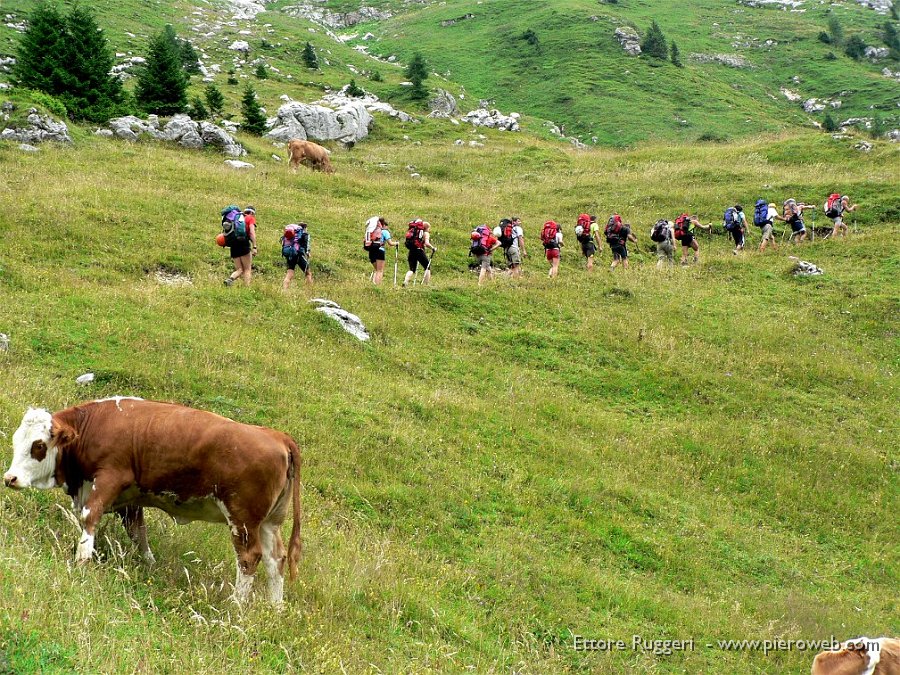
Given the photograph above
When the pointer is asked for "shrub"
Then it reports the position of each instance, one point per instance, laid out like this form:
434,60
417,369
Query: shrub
830,56
50,103
835,31
417,73
829,124
825,37
354,90
310,60
856,48
531,38
261,71
675,56
375,76
197,110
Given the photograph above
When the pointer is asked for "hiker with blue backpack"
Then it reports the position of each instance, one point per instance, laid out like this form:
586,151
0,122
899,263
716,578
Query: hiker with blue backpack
736,226
764,217
240,237
295,251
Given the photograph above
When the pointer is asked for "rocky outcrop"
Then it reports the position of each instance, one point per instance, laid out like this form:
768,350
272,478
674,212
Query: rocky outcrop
730,60
241,46
180,129
336,19
880,6
629,40
370,101
803,268
246,9
452,22
887,72
814,105
348,124
782,4
349,322
39,128
492,119
123,70
443,104
876,53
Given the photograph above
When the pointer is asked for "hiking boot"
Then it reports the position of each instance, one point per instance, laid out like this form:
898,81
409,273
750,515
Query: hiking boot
229,281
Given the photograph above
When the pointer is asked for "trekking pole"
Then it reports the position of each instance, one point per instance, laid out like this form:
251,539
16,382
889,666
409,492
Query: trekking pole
396,254
814,225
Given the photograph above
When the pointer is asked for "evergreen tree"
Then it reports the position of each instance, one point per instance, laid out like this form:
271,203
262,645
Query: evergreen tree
162,84
891,39
310,60
39,63
376,76
895,13
354,90
417,73
190,59
675,56
91,92
829,124
654,43
261,71
198,111
215,100
254,119
856,48
835,31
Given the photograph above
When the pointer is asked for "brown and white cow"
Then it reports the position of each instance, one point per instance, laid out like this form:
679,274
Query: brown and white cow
862,656
123,454
310,153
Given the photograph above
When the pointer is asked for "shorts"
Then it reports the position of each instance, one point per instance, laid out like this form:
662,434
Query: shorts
484,261
838,221
513,256
415,257
552,253
375,253
797,226
767,232
241,249
665,250
619,251
588,248
300,260
738,236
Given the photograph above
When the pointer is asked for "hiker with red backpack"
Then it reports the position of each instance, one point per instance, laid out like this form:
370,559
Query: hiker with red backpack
418,240
552,239
618,234
484,243
587,231
376,238
835,208
240,238
684,232
512,240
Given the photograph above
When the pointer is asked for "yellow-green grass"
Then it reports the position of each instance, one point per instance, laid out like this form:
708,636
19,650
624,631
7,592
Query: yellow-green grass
708,452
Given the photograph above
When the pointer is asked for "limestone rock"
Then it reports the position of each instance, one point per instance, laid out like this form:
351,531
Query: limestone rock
493,119
348,124
238,164
40,128
629,40
349,322
443,104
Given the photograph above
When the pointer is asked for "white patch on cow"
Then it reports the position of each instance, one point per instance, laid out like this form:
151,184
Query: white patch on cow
85,512
243,584
231,525
81,497
27,471
85,547
118,400
873,649
268,534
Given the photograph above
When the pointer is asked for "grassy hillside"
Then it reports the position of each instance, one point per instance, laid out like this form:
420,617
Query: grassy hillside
706,453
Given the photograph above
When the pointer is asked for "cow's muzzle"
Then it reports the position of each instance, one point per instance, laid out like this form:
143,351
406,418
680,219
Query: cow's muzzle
10,480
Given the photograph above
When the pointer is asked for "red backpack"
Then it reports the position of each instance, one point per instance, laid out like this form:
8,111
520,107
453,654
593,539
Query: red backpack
613,226
481,240
415,235
682,225
548,234
584,222
373,238
833,206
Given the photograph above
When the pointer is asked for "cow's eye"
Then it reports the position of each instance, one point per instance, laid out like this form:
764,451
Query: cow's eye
38,450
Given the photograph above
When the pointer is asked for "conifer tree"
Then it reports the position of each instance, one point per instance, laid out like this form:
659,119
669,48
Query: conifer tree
310,60
417,73
214,100
675,56
254,119
261,71
198,110
39,62
190,60
162,84
654,43
829,124
856,48
355,90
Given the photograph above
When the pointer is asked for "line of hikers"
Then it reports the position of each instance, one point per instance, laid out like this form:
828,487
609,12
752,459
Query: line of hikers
239,234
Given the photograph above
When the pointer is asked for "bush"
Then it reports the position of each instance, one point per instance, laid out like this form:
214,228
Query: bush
829,124
198,111
375,76
830,56
50,103
232,76
531,38
825,37
355,91
835,31
856,48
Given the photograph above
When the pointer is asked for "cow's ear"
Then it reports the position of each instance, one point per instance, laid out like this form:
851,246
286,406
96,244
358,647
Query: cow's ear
61,434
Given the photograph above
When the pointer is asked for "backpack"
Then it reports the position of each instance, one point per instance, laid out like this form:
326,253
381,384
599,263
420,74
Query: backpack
234,227
660,232
415,235
373,238
548,234
613,227
584,222
295,245
761,213
481,244
791,212
834,207
507,234
682,226
731,219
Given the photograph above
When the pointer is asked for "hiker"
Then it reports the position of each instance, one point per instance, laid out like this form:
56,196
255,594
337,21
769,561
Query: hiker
764,217
418,239
662,234
736,225
512,240
376,238
793,215
618,234
835,208
587,231
552,238
240,237
295,249
684,232
483,246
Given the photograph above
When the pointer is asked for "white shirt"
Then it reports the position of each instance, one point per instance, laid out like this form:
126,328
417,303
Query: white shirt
772,214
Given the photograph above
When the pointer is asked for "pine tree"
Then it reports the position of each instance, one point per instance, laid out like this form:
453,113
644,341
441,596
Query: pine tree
261,71
254,119
310,59
190,60
835,31
675,56
91,92
654,43
40,61
829,124
417,73
198,111
162,84
891,39
215,100
354,90
856,48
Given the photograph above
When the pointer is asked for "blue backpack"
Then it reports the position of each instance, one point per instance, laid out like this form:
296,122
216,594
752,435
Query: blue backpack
731,219
761,213
297,246
234,227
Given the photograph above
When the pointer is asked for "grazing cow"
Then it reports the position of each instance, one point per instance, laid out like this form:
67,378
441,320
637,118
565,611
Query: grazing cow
308,152
123,454
862,656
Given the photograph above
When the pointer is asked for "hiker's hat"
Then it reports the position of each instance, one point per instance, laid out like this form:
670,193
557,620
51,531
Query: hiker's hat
249,209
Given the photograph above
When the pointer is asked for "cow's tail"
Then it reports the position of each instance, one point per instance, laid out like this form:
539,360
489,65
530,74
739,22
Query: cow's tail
295,545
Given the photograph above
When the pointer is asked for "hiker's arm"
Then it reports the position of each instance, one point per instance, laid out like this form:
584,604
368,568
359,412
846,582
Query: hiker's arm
631,237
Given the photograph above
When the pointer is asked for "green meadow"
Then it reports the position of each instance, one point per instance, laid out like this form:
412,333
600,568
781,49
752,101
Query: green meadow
707,452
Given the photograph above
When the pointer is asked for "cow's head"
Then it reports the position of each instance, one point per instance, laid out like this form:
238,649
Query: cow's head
36,446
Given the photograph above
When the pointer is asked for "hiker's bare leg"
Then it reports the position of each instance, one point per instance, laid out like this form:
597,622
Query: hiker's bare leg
288,277
379,272
590,263
696,247
426,278
408,277
625,263
243,267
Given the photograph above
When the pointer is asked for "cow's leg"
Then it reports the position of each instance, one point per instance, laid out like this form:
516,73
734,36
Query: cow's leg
133,521
248,548
107,486
274,557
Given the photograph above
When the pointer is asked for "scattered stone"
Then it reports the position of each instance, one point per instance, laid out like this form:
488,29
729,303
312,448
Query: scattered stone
349,322
415,175
476,144
888,73
459,141
876,53
240,46
730,60
277,158
805,269
87,378
629,40
880,6
443,104
783,4
863,146
4,342
452,22
172,279
105,133
331,19
492,119
791,96
238,164
41,128
24,147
